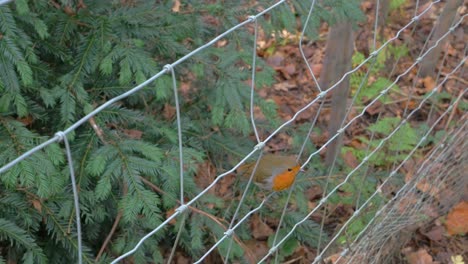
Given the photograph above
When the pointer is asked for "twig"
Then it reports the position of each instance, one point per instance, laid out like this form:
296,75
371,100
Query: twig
293,260
55,4
97,129
212,217
114,227
465,82
109,236
100,135
454,110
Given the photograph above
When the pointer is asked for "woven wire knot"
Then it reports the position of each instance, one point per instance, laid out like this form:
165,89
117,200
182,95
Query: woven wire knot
182,208
168,68
61,135
252,18
229,232
260,145
273,249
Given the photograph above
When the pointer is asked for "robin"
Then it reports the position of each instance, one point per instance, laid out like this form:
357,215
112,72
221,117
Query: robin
274,172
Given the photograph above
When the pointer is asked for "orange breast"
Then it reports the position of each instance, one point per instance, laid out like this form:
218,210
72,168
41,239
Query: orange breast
285,180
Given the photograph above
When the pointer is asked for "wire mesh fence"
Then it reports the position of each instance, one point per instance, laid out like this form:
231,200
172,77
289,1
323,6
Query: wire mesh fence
428,191
436,185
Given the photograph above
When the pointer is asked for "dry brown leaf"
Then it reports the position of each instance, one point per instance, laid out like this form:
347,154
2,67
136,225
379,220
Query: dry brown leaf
276,60
424,186
317,69
288,70
181,259
451,50
169,213
258,248
258,114
356,143
27,120
169,111
206,174
224,186
408,201
133,133
283,86
260,230
419,257
176,6
367,5
338,259
412,104
350,159
221,43
375,108
185,89
429,13
37,205
429,83
457,219
436,233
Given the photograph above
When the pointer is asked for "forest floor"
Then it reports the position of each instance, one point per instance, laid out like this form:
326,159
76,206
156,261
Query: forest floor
294,88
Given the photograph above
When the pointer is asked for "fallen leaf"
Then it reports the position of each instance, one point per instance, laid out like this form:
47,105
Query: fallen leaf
27,120
258,114
258,248
429,83
356,143
350,159
451,50
409,105
133,133
375,108
436,233
367,5
169,111
458,259
260,230
339,259
211,20
276,60
176,6
206,174
317,69
419,257
37,205
224,186
221,43
288,70
410,200
457,219
427,14
181,259
169,213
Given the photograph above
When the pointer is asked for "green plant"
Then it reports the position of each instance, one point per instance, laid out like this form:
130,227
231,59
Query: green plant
59,61
366,87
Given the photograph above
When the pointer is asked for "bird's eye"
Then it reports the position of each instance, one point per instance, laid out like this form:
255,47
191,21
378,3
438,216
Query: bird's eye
289,169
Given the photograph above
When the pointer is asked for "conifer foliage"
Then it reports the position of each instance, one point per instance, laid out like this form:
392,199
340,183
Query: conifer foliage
57,63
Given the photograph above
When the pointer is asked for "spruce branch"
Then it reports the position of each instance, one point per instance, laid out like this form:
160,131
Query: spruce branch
114,227
99,132
212,217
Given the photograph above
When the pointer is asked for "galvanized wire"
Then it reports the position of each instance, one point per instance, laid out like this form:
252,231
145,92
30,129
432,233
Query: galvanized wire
260,144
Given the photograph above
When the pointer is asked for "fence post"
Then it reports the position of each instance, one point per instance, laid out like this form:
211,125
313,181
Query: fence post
337,61
444,22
